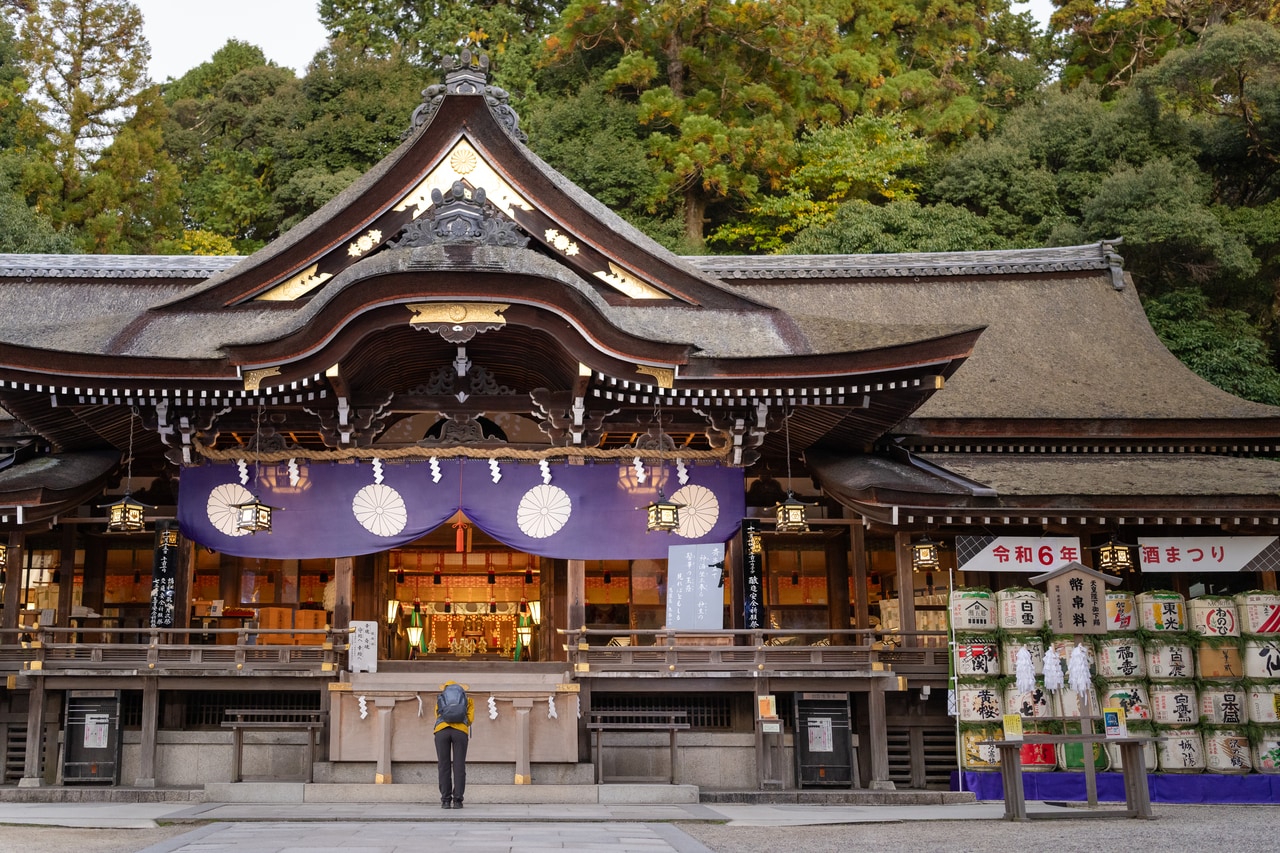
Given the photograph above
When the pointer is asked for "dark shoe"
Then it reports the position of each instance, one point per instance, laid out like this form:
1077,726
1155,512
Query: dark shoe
457,804
446,804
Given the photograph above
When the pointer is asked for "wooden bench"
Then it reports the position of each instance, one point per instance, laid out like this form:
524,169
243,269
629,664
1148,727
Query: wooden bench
671,722
240,720
1137,796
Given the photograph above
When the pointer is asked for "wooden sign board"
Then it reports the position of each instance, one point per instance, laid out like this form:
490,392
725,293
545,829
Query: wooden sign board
1078,601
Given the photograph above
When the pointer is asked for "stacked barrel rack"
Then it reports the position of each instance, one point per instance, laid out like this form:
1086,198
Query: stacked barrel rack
1202,677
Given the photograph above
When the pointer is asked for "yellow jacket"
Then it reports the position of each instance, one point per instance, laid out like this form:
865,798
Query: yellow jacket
465,728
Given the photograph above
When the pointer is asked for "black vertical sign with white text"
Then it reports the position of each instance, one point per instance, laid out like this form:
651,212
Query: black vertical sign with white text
164,573
752,575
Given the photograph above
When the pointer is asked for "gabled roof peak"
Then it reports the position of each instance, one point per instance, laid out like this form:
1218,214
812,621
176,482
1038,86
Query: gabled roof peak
468,74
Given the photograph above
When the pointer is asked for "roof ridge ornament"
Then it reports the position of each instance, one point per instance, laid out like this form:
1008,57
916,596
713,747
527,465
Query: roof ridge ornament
468,74
461,215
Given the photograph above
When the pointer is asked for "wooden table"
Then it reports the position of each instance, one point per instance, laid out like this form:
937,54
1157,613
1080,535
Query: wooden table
242,719
1137,796
636,721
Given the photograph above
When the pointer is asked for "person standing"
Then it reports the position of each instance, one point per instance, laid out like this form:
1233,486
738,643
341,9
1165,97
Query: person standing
455,712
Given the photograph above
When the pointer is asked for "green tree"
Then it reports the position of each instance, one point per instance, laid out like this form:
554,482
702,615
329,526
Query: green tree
88,60
1220,345
902,225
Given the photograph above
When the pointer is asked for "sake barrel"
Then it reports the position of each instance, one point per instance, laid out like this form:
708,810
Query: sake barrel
1021,609
1214,616
1264,703
1065,644
1149,756
973,610
1122,612
1067,702
1219,661
1266,751
1174,705
1227,751
1132,696
1030,704
1259,612
1121,657
975,755
1009,647
1071,755
1180,750
1169,660
976,657
1224,704
1261,658
980,702
1162,611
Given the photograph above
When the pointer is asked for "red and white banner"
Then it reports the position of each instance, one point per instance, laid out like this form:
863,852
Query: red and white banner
1203,553
1032,554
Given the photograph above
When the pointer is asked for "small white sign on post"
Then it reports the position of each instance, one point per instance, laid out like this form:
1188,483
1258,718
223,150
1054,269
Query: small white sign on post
362,655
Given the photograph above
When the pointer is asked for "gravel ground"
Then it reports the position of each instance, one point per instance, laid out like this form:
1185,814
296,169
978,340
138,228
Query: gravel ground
1242,829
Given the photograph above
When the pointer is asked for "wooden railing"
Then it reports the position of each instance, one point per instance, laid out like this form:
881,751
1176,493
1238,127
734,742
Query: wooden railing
777,652
170,651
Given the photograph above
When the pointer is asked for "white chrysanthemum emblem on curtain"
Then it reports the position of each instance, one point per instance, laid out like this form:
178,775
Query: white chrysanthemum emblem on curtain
223,501
699,513
543,511
380,510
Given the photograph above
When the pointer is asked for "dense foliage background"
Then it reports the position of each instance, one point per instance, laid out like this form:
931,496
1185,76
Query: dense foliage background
728,126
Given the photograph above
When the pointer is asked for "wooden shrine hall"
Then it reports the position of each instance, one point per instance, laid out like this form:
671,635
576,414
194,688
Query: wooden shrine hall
466,422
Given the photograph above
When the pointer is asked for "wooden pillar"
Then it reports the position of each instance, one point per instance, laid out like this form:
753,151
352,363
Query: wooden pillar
906,587
15,559
66,575
184,582
577,594
344,577
147,744
861,602
837,561
366,603
523,706
31,776
229,580
878,731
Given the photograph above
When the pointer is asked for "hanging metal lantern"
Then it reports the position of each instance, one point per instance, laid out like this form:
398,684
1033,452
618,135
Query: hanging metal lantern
254,516
924,555
1114,557
663,515
791,516
126,515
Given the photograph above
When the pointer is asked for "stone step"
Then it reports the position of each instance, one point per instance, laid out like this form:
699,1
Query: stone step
304,792
100,794
859,797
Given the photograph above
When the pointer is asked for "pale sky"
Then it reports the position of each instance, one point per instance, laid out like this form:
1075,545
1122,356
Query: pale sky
185,33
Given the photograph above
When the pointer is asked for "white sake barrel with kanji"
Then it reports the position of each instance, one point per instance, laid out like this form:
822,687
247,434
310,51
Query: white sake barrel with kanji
973,610
1261,658
1132,696
1169,660
1021,609
1162,611
975,755
1174,705
1259,612
1227,751
1122,612
1149,756
1121,657
1009,647
981,703
1030,704
1180,750
1264,703
1214,616
1266,751
1224,704
980,658
1067,702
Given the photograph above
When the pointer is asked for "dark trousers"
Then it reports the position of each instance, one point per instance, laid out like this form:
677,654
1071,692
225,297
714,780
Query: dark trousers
451,753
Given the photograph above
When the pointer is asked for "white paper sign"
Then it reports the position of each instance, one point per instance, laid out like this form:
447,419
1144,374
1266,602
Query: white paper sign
96,728
363,653
820,735
1202,553
1033,554
695,594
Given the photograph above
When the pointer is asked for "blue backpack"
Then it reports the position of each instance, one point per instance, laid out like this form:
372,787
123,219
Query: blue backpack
451,704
